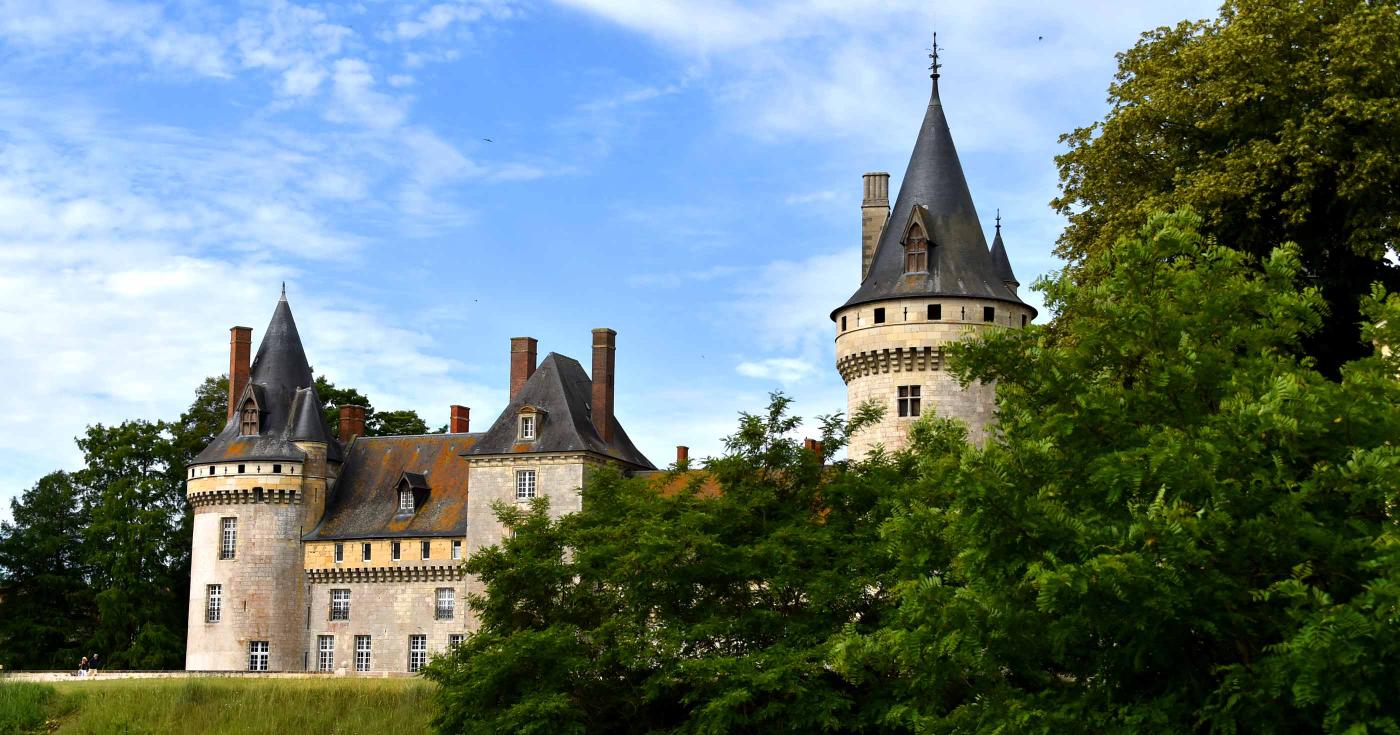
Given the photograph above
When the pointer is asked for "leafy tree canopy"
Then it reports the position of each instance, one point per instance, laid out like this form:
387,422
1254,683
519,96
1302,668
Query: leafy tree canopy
1278,122
1180,525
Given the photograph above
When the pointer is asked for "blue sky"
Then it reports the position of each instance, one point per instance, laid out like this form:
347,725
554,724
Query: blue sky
433,178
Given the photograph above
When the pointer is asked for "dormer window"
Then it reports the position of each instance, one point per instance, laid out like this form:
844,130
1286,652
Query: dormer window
529,423
916,250
405,501
248,423
527,427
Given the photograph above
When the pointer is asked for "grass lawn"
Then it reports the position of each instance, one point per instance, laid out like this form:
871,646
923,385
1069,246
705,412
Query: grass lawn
234,706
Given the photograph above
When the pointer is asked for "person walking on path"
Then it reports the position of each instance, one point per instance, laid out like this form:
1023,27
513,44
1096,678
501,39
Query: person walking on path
83,667
94,664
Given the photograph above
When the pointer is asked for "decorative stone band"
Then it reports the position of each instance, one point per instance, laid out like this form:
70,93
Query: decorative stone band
895,359
240,496
414,573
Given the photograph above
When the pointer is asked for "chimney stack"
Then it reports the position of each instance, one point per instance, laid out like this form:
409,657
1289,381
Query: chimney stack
522,362
682,457
604,365
815,447
461,420
240,350
874,211
352,423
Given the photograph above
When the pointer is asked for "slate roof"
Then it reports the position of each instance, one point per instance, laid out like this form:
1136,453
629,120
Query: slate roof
364,500
1000,262
280,381
959,261
562,391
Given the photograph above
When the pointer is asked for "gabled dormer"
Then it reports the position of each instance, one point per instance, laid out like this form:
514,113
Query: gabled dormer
251,411
411,493
529,420
918,247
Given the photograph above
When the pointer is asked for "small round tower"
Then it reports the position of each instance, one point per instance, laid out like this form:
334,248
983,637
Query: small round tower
928,279
255,491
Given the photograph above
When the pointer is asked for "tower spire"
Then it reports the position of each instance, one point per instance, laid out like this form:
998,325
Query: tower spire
934,66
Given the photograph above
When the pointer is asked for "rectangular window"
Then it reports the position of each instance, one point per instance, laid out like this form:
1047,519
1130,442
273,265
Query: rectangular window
277,469
257,655
527,427
228,538
340,604
417,653
325,653
446,603
405,501
394,549
1023,320
456,639
935,312
909,400
426,547
240,469
843,323
213,603
456,549
362,652
364,552
524,484
989,313
339,553
880,316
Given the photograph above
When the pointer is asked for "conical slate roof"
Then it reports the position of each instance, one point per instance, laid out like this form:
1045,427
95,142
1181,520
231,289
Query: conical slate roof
958,261
561,390
1000,261
280,381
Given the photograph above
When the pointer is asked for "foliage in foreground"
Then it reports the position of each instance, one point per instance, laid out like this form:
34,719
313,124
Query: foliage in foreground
230,706
1182,526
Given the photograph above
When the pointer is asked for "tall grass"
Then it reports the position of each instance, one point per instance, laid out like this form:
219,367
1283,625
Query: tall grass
235,706
24,707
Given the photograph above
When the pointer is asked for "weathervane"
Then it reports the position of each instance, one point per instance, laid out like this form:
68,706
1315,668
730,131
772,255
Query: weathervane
933,54
998,220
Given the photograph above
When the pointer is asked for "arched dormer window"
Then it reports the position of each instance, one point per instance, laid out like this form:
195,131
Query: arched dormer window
529,423
405,500
248,421
916,250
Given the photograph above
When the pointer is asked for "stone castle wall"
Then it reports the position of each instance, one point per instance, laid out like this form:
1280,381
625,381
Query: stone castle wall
906,350
388,605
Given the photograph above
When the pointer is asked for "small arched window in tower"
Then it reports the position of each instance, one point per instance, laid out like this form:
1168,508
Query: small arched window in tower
248,423
916,250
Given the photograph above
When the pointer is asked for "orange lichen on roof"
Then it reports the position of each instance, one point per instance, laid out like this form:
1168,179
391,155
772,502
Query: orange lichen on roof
671,484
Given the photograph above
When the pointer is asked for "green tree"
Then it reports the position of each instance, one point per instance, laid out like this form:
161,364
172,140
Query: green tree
136,542
1278,121
1179,525
664,606
333,397
396,423
46,613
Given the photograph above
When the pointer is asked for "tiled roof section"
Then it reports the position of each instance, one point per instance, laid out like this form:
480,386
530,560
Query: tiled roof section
278,372
562,391
959,262
671,483
364,501
1000,261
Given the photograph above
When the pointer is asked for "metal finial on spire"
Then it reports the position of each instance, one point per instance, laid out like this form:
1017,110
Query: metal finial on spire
933,55
998,220
284,291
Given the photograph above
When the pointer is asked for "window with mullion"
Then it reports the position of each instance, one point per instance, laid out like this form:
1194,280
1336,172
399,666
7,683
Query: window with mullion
909,400
340,604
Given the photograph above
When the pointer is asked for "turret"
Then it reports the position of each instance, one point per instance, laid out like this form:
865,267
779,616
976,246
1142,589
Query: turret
255,490
929,280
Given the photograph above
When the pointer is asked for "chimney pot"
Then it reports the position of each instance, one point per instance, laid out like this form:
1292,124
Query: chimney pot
352,423
240,350
460,421
522,362
682,456
604,366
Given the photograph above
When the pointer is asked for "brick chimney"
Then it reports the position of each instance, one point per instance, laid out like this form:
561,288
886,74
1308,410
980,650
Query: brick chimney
352,423
522,362
604,366
815,447
240,350
682,456
461,420
874,212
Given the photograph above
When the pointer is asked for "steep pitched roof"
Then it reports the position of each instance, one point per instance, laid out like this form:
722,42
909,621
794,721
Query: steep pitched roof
959,263
278,377
561,389
364,500
1000,261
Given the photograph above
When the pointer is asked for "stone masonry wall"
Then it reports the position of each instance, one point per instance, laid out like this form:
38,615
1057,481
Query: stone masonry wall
262,587
876,359
388,611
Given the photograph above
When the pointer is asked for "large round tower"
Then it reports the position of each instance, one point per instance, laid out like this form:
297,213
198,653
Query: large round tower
927,279
255,491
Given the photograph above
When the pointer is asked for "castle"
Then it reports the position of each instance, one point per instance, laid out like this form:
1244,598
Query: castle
314,552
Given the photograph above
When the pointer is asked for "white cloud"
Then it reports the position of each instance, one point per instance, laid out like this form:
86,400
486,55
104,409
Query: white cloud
435,19
357,101
814,197
782,369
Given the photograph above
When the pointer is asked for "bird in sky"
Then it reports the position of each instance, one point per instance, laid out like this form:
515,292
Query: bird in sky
488,140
